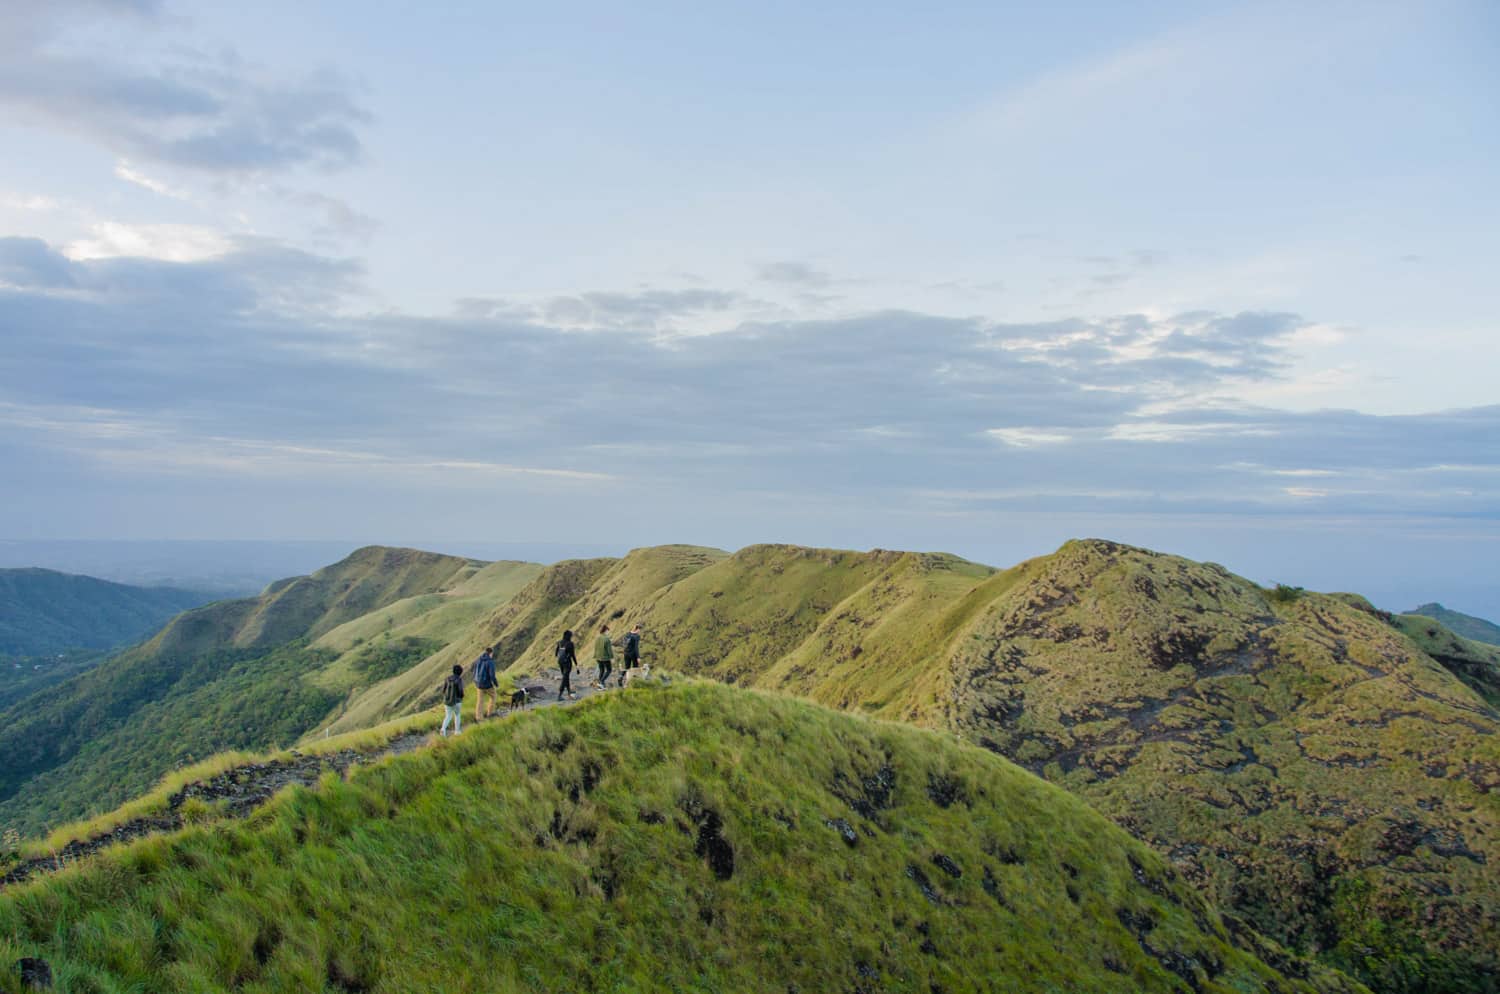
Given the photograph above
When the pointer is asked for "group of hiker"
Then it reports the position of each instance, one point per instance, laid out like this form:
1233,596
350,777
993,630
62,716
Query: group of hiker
486,680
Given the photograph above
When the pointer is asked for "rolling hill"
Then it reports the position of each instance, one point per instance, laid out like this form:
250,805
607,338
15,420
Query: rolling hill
235,674
1323,770
696,837
1465,625
1299,756
43,611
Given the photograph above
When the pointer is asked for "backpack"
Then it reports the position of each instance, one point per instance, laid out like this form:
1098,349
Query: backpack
564,652
453,690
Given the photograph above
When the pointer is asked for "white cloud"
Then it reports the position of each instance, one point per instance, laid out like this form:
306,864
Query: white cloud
21,202
165,242
125,171
1027,438
1167,431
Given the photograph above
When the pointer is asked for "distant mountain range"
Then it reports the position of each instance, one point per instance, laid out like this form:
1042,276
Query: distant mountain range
43,611
1466,625
1322,770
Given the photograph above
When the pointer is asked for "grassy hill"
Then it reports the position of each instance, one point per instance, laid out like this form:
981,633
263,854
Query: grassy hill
1465,625
233,675
46,612
1305,760
693,838
1325,770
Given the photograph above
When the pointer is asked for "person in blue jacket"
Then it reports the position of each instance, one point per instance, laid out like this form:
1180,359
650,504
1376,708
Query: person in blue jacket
485,684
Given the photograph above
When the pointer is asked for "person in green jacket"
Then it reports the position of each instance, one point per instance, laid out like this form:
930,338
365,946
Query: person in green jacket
604,654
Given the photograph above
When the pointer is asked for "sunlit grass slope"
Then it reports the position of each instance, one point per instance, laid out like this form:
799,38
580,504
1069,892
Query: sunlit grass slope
432,619
694,838
576,594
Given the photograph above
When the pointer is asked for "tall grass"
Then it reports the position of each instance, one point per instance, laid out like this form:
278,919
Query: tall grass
683,839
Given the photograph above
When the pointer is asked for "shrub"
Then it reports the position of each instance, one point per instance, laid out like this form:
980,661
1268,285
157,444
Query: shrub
1284,593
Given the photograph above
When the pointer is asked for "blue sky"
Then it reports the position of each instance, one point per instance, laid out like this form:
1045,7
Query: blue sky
1216,278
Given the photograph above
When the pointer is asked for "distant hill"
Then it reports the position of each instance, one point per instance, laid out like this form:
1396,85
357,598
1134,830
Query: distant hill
691,838
231,675
43,611
1466,625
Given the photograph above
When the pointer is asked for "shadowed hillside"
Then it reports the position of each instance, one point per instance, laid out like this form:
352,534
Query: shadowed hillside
687,838
235,674
43,611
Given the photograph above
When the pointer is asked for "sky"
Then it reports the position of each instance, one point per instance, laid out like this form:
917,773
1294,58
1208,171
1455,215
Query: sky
1215,278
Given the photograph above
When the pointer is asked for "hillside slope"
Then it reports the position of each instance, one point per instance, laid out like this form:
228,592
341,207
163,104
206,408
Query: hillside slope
43,611
1465,625
1477,664
231,675
578,594
1307,763
691,838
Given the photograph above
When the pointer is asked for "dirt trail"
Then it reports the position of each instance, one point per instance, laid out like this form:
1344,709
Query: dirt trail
244,788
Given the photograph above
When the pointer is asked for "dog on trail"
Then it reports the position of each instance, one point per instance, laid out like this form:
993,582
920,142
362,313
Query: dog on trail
636,673
521,696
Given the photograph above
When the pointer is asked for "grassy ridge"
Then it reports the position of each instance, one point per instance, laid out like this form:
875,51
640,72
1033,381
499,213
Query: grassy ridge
696,838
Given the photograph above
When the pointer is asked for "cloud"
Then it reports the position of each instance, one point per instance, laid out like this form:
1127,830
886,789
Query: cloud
129,174
211,114
253,361
167,242
801,275
336,218
1027,438
647,310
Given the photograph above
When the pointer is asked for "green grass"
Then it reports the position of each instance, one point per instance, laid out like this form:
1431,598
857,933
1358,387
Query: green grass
576,849
1278,744
1306,763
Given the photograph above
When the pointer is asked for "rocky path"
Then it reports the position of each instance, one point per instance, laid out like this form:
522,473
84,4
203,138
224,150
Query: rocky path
244,788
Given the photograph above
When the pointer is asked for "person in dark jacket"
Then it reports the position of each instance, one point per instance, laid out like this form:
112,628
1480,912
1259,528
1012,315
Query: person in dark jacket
484,684
567,658
632,653
453,701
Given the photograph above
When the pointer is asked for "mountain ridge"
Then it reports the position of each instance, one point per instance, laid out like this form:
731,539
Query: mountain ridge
1304,758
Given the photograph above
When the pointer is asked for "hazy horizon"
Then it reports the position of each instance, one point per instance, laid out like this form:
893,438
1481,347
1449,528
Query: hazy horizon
217,563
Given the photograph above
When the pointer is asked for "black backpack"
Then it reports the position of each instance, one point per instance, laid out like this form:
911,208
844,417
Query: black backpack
564,652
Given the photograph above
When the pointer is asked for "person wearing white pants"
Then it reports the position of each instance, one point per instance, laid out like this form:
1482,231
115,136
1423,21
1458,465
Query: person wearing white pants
453,701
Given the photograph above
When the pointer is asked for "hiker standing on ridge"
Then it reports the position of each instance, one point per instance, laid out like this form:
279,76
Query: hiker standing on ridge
567,658
604,654
632,653
484,684
453,701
